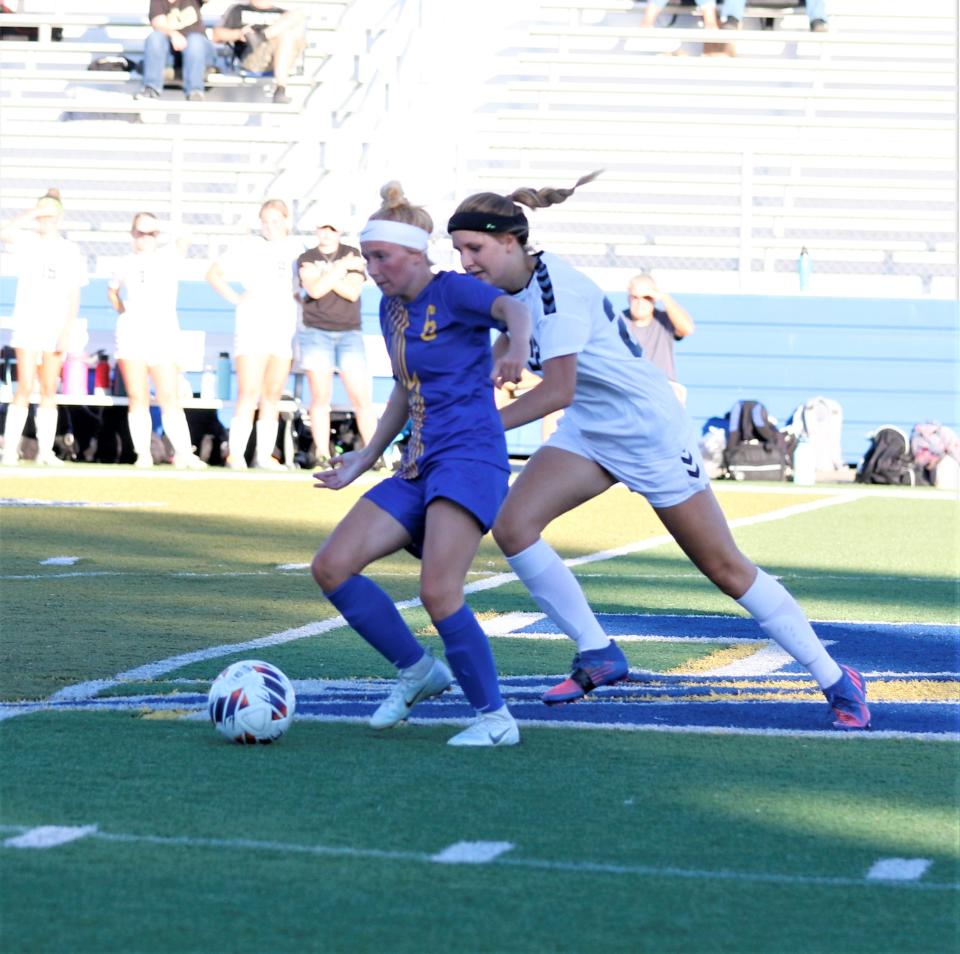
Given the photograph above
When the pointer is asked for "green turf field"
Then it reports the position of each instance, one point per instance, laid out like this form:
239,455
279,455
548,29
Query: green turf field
160,836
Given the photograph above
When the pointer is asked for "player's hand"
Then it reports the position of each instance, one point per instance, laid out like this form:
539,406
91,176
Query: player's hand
508,368
344,469
178,41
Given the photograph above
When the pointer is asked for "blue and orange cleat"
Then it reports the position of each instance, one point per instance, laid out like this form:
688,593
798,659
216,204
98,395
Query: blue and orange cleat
848,700
592,668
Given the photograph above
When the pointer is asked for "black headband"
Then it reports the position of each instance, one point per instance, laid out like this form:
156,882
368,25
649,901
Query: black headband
487,222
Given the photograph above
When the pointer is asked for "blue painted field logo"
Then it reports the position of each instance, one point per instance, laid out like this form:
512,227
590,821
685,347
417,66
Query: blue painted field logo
742,684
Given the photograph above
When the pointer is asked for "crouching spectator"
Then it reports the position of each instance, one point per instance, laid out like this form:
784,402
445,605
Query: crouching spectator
706,8
177,28
265,39
816,13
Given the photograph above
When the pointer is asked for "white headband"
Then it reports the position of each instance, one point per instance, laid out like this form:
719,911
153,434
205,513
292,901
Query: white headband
397,233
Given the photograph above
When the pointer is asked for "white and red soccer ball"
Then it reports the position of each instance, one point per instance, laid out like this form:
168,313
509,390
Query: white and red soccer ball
250,702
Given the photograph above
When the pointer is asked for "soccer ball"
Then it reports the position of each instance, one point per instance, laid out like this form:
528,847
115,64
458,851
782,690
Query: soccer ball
251,701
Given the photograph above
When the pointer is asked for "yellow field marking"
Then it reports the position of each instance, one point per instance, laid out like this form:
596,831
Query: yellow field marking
718,658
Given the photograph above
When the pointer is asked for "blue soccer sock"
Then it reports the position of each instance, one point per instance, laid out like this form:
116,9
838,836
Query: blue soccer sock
468,653
372,614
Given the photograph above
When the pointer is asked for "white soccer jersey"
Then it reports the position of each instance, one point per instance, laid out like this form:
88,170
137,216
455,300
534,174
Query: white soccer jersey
49,271
148,329
149,281
266,320
621,401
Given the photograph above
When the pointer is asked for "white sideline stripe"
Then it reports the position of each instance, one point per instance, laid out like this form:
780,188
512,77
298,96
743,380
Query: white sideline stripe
85,690
27,502
652,542
49,836
898,869
512,861
59,561
472,852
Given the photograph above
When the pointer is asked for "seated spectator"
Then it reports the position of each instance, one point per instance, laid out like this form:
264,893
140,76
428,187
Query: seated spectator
265,39
177,28
816,14
656,321
707,9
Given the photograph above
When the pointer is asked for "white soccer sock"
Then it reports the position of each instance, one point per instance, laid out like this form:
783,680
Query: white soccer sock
46,423
176,428
240,429
13,431
556,591
266,442
780,617
141,430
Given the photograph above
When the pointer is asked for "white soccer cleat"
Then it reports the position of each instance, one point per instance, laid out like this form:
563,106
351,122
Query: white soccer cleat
189,462
490,729
410,689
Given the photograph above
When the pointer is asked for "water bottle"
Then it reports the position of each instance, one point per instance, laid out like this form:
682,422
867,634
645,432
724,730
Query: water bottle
804,268
73,375
101,374
223,376
208,383
804,464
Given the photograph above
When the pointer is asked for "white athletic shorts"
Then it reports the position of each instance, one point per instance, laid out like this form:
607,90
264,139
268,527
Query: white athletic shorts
146,338
265,327
37,334
664,481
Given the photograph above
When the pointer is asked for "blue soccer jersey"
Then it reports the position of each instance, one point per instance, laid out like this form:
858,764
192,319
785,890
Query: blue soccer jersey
439,346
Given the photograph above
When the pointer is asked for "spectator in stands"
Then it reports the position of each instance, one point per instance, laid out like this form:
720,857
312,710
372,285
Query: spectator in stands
265,39
331,278
177,28
707,9
51,271
148,339
266,322
656,321
816,14
621,424
454,474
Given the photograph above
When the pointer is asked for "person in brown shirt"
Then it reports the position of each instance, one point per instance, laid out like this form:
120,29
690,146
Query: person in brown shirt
331,277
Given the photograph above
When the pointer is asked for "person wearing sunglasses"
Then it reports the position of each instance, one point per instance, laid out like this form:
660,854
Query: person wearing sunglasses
148,339
657,320
51,270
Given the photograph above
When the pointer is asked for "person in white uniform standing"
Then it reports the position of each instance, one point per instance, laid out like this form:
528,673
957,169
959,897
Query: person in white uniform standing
266,322
51,271
623,423
148,338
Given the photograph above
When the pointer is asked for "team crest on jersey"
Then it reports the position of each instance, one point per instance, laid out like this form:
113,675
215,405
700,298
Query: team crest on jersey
429,332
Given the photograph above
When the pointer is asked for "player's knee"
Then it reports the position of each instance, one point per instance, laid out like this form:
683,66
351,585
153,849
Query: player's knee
732,575
440,601
511,535
327,571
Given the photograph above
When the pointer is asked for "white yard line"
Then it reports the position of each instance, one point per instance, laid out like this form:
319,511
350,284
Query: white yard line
502,858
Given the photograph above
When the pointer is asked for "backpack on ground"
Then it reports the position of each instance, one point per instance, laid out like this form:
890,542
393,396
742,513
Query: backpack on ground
819,420
931,441
756,449
888,459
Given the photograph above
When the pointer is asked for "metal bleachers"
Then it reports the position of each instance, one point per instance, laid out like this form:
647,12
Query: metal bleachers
204,167
719,168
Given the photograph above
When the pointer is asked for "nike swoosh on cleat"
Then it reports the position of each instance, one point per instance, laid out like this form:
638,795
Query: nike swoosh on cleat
497,739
